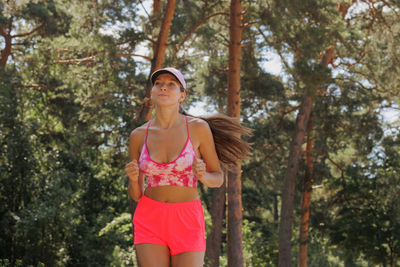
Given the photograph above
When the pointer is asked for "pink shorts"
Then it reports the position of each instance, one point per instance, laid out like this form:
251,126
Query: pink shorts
179,226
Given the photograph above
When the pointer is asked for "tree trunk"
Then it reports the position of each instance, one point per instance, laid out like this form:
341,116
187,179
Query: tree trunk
235,57
305,207
234,185
158,57
289,182
156,6
234,218
6,52
217,215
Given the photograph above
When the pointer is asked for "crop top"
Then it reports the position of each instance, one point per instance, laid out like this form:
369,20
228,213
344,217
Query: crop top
177,172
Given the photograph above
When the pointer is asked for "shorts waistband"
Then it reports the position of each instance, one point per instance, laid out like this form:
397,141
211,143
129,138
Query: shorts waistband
189,204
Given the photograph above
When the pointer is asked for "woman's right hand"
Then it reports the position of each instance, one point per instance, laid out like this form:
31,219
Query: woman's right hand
132,170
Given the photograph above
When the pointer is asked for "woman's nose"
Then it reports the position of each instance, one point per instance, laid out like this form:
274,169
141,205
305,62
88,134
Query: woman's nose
162,86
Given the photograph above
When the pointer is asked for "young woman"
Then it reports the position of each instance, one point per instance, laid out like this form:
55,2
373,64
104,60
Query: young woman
174,151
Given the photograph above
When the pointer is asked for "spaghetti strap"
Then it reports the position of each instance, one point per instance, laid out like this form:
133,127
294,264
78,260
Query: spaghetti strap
187,125
147,130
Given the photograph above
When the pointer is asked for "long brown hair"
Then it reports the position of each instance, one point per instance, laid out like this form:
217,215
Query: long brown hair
227,131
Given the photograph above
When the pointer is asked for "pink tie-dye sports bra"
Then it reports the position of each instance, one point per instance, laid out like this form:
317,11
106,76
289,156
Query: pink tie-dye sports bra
177,172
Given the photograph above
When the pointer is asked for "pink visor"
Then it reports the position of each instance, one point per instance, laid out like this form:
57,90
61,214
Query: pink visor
178,75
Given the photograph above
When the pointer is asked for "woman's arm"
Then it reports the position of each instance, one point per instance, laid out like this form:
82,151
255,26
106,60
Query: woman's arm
207,169
136,179
136,188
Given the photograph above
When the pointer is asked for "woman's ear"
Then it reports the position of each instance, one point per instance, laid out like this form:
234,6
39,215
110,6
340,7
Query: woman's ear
183,96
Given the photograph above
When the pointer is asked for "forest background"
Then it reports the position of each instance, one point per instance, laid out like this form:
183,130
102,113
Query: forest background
319,85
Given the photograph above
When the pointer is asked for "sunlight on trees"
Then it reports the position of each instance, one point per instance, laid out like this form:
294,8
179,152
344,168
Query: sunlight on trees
73,79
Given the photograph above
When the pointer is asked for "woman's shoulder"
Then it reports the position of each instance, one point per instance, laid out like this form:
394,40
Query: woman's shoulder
197,123
199,128
139,132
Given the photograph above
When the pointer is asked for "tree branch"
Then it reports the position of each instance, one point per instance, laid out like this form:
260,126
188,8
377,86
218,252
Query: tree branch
287,112
247,25
279,52
362,55
321,91
28,33
151,40
141,3
133,55
274,148
10,25
179,46
76,61
124,42
36,86
2,31
328,158
93,58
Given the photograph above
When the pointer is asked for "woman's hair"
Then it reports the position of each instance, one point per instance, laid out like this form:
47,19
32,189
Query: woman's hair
227,131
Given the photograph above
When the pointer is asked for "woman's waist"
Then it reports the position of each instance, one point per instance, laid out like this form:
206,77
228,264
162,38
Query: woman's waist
172,194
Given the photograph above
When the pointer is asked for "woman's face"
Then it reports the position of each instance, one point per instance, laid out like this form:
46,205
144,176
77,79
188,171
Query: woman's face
167,90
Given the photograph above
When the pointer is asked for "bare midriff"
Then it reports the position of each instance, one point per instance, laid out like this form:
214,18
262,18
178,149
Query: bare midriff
172,194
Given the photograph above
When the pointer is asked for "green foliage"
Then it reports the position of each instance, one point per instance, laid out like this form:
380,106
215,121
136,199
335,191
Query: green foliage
68,104
367,219
260,243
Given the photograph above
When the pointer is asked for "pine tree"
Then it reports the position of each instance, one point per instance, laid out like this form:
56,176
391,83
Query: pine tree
234,183
22,21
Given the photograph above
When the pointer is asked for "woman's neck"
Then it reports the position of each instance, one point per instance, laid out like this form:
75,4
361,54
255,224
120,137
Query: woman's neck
167,117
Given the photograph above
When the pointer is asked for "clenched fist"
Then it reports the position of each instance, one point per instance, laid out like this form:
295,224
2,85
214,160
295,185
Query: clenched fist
132,170
198,168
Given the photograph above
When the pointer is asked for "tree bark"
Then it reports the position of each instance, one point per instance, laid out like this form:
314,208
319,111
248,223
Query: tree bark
161,44
159,55
6,52
217,215
156,6
234,220
305,207
234,189
289,182
235,57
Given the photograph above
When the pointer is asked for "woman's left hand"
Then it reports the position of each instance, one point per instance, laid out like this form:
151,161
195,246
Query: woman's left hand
199,168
